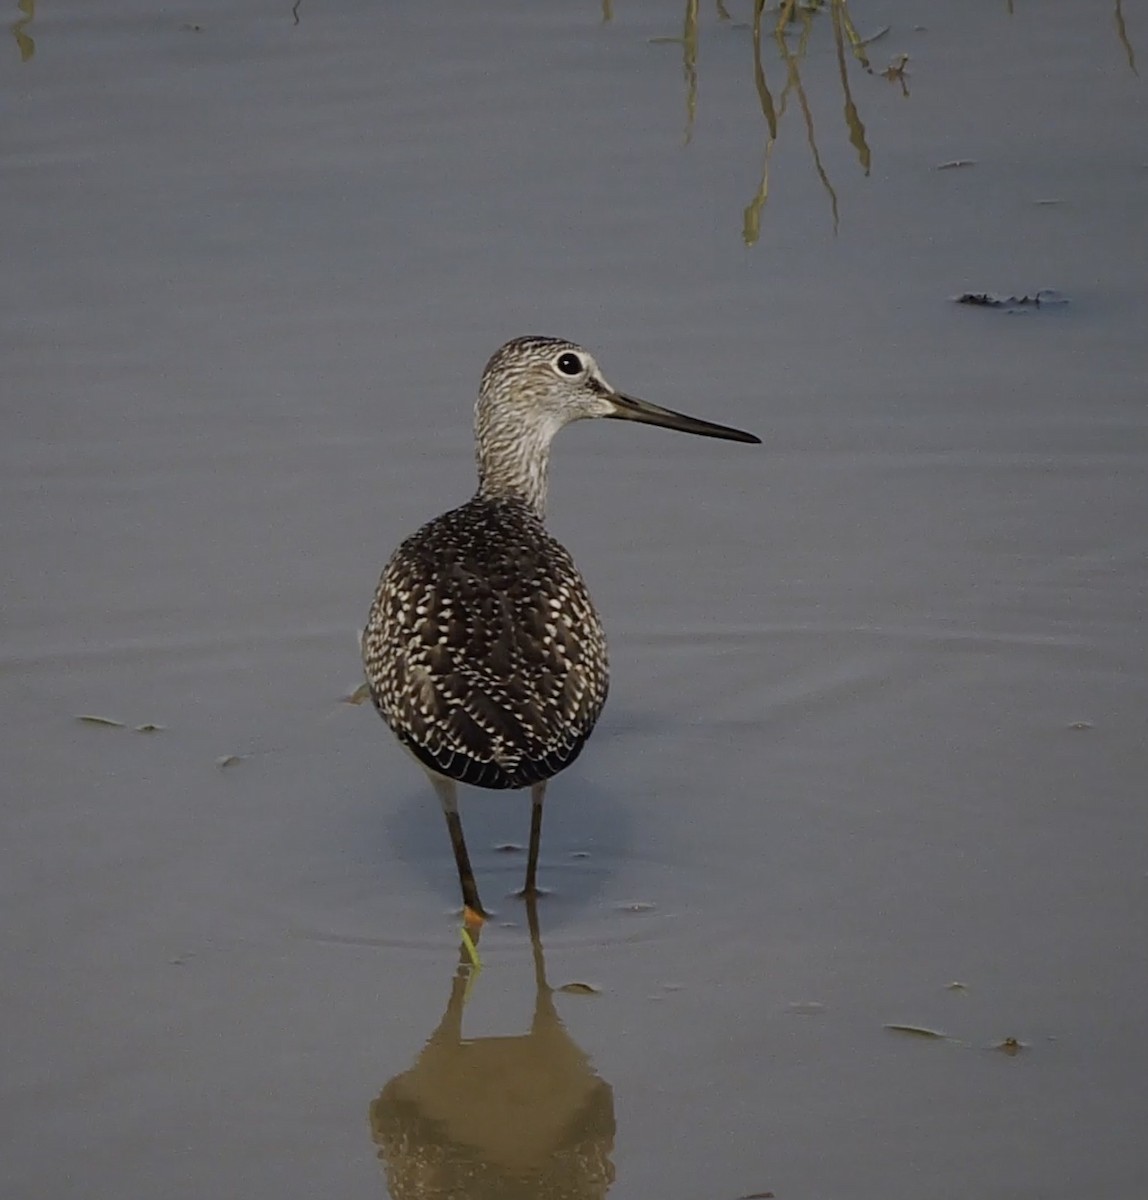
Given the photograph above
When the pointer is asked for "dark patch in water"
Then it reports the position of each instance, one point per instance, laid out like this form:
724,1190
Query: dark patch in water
1044,298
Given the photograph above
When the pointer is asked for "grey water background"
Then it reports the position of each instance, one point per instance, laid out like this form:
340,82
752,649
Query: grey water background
877,725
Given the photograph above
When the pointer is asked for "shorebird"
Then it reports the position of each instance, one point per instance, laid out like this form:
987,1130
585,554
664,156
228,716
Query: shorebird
483,651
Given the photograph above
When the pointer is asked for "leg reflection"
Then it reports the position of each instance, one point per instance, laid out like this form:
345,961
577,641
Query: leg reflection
507,1117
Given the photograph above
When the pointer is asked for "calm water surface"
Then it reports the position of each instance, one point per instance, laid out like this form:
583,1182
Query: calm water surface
875,748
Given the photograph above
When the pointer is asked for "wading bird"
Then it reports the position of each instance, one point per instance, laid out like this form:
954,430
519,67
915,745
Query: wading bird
483,652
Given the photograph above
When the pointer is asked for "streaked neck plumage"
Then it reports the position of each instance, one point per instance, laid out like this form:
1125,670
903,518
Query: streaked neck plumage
513,450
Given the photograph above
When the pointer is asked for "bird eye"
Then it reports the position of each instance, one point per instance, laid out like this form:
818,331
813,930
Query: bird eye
569,364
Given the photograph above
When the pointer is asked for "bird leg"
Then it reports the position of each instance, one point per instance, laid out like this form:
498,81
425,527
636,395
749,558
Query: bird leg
473,913
537,795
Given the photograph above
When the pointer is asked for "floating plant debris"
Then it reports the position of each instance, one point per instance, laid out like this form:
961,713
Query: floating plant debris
1010,1046
919,1031
112,723
1044,298
895,73
580,989
868,41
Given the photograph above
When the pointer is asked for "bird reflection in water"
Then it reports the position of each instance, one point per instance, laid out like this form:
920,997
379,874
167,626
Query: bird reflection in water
507,1117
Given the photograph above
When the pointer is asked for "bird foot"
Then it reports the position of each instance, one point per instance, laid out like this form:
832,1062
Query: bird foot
473,919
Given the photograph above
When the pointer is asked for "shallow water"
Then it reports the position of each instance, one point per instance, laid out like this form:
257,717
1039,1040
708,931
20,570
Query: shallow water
876,725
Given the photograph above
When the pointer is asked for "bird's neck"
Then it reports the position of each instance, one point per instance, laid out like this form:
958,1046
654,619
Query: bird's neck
513,460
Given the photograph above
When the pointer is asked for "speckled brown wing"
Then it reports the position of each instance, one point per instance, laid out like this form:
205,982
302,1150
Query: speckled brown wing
483,651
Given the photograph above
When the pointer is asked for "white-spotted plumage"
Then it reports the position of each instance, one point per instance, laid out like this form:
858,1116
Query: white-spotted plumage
483,650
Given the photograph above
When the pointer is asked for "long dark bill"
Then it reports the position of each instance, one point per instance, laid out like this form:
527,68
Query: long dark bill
629,408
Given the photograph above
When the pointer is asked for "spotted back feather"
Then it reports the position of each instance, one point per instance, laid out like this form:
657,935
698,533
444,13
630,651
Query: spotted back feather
483,651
